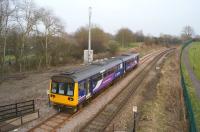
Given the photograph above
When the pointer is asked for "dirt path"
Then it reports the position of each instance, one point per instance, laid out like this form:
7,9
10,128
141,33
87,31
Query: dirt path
193,78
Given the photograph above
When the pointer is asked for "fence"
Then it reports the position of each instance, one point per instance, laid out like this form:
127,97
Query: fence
15,111
190,114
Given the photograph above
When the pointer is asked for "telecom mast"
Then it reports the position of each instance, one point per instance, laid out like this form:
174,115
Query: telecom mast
88,54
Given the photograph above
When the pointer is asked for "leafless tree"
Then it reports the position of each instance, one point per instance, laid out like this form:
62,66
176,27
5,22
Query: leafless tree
5,17
26,17
52,27
187,32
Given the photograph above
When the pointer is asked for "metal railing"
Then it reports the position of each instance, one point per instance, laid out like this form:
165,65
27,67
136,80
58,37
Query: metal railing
13,112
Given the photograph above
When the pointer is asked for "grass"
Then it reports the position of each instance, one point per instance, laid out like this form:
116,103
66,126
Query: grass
131,45
193,97
194,56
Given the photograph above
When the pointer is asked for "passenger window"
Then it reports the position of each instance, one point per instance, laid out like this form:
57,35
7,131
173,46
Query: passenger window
96,79
61,88
121,66
54,87
81,86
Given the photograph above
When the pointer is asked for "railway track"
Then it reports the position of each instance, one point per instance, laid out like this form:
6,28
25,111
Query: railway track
105,116
57,120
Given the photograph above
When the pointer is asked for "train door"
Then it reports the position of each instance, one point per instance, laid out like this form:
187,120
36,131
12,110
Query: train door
87,86
124,65
137,59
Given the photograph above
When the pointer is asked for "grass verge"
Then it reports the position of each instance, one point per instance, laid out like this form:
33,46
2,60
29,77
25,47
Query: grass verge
193,97
194,55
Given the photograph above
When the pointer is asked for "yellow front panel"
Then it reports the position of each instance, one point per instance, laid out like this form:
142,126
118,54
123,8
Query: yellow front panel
62,99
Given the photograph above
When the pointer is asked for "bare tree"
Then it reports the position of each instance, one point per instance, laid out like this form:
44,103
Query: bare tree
187,32
52,26
26,17
5,15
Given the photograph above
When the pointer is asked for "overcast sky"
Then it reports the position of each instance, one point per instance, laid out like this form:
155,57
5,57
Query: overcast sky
151,16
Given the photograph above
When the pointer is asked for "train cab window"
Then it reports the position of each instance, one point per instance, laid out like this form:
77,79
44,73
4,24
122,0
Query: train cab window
54,87
70,89
61,88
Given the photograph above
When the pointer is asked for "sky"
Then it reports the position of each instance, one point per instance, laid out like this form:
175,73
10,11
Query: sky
153,17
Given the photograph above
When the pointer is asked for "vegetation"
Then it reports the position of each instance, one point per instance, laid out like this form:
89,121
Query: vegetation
193,97
33,38
113,46
124,36
187,32
194,55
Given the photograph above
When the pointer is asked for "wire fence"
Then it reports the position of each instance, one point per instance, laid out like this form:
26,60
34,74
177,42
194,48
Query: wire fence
188,104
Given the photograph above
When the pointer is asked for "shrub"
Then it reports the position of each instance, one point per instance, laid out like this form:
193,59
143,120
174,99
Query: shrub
113,46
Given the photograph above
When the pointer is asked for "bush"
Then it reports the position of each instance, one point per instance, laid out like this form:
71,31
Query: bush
113,46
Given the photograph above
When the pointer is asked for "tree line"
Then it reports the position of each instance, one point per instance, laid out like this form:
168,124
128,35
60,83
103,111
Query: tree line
33,38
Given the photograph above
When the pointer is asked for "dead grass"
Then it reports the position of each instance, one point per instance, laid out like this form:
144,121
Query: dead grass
165,111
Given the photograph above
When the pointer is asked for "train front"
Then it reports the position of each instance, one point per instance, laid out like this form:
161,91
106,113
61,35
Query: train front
63,91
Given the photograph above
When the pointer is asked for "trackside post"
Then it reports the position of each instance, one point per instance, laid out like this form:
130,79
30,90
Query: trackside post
134,117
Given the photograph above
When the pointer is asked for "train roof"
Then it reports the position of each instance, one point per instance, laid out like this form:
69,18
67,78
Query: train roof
127,56
95,68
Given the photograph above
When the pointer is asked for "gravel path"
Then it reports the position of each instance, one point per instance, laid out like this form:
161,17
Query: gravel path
195,81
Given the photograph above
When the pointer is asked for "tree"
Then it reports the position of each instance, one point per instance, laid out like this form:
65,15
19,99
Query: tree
52,26
113,46
168,39
27,18
124,36
139,36
187,32
5,15
98,38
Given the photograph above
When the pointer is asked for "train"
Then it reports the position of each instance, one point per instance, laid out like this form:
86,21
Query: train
74,87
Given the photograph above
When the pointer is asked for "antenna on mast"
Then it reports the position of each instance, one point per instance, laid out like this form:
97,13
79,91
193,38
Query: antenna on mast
88,54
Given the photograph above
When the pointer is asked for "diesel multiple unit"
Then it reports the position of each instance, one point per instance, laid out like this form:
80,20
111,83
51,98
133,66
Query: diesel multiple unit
74,87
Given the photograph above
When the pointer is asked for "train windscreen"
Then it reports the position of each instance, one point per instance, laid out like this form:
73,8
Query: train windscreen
62,88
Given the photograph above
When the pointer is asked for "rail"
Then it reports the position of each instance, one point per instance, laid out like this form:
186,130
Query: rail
58,119
105,116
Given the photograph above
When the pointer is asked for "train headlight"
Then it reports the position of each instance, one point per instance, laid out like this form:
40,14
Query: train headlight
70,98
